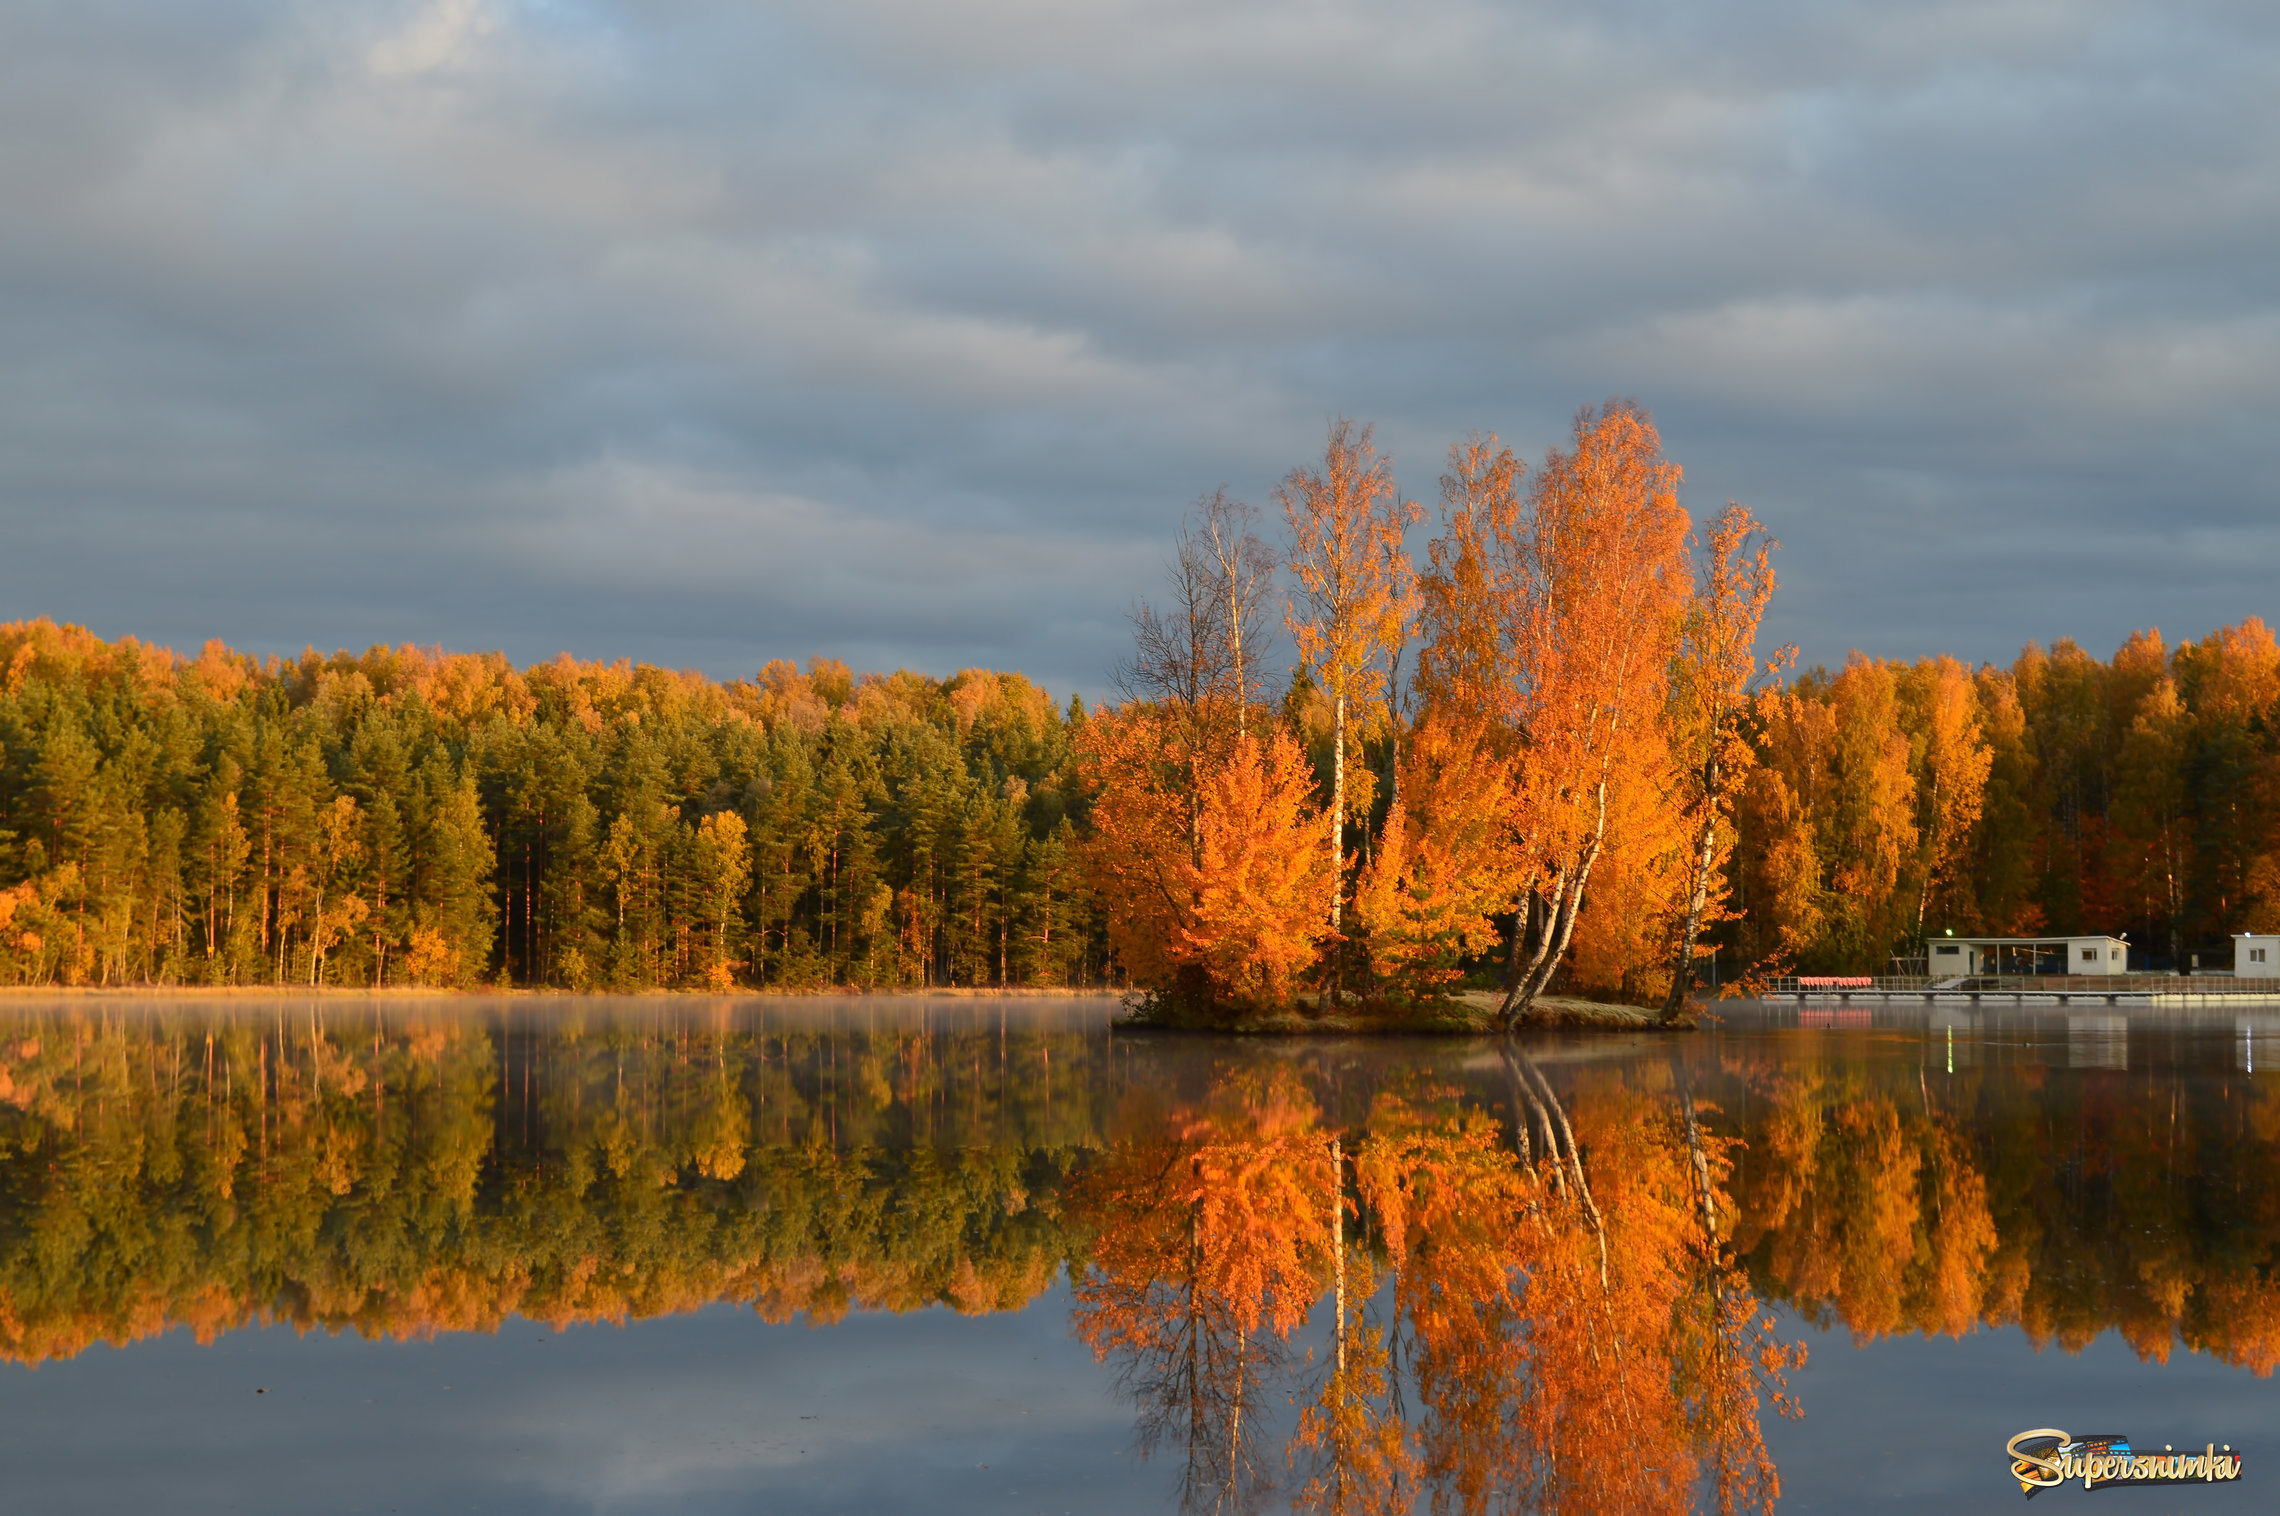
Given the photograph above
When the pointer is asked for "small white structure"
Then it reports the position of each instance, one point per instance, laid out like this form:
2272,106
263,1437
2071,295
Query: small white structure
2097,955
2256,955
1946,957
1952,957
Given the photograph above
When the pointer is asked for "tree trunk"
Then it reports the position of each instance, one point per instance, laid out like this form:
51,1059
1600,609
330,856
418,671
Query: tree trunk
1697,898
1338,820
1331,986
1564,904
1931,864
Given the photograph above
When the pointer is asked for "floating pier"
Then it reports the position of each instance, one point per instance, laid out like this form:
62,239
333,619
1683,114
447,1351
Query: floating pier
2215,992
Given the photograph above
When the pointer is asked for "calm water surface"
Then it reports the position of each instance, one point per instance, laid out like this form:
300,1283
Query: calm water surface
967,1255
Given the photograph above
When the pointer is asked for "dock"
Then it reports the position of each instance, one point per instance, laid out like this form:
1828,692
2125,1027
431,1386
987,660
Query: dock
2212,992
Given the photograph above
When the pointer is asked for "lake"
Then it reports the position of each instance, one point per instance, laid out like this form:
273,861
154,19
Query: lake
527,1254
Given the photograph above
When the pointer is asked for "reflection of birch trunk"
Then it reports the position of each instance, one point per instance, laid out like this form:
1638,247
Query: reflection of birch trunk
1198,1419
1523,1128
1698,1161
1230,1495
1535,1092
1740,1362
1188,1362
1338,1246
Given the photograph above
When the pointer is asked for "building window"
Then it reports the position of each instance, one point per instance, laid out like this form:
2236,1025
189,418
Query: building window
2089,955
1946,951
2256,955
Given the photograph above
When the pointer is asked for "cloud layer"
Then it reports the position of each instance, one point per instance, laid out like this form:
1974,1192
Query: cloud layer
903,331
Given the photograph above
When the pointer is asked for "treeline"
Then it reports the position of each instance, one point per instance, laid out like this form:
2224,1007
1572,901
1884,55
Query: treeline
2064,794
1543,754
405,817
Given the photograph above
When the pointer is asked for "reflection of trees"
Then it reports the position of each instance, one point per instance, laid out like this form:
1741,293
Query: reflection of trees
1211,1245
2147,1203
1542,1263
404,1174
1541,1348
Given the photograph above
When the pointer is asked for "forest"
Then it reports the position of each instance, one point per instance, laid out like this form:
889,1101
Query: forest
410,818
1531,748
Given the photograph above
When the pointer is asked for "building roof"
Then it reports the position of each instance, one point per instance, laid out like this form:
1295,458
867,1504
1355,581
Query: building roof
2033,941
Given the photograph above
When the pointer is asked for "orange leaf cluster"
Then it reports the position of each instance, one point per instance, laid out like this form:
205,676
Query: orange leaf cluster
1445,861
1238,900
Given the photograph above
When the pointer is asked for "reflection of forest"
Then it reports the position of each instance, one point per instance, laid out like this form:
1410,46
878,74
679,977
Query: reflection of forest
409,1173
1530,1257
1896,1197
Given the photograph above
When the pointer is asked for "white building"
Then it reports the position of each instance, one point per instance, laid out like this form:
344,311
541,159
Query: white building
1968,957
2256,955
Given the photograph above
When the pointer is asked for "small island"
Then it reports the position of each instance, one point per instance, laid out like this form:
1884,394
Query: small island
1475,750
1469,1014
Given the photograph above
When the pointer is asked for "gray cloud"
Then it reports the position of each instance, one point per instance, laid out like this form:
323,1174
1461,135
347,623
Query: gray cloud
903,332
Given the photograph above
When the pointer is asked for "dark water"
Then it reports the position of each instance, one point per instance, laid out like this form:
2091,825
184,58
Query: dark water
963,1255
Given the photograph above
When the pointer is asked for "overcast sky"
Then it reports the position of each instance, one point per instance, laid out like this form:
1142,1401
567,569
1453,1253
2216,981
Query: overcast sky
903,330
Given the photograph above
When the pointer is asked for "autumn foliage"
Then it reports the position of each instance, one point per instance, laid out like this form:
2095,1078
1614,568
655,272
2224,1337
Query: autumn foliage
1445,862
1539,753
407,817
1892,801
1514,705
1232,894
1571,768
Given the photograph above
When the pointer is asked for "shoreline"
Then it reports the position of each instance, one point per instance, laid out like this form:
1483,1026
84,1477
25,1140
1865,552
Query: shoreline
1470,1014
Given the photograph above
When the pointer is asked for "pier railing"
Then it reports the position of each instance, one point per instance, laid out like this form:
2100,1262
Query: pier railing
2083,986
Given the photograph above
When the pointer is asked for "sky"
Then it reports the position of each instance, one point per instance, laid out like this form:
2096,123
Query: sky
903,331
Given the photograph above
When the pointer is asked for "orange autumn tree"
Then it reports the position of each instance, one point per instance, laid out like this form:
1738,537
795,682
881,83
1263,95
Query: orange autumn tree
1554,620
1347,523
1716,672
1621,944
1137,853
2149,846
1444,863
1940,701
1198,850
1226,909
1258,879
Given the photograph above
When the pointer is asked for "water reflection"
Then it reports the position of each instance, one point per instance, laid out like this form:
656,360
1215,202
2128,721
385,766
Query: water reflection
1891,1195
1557,1334
403,1173
1362,1277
